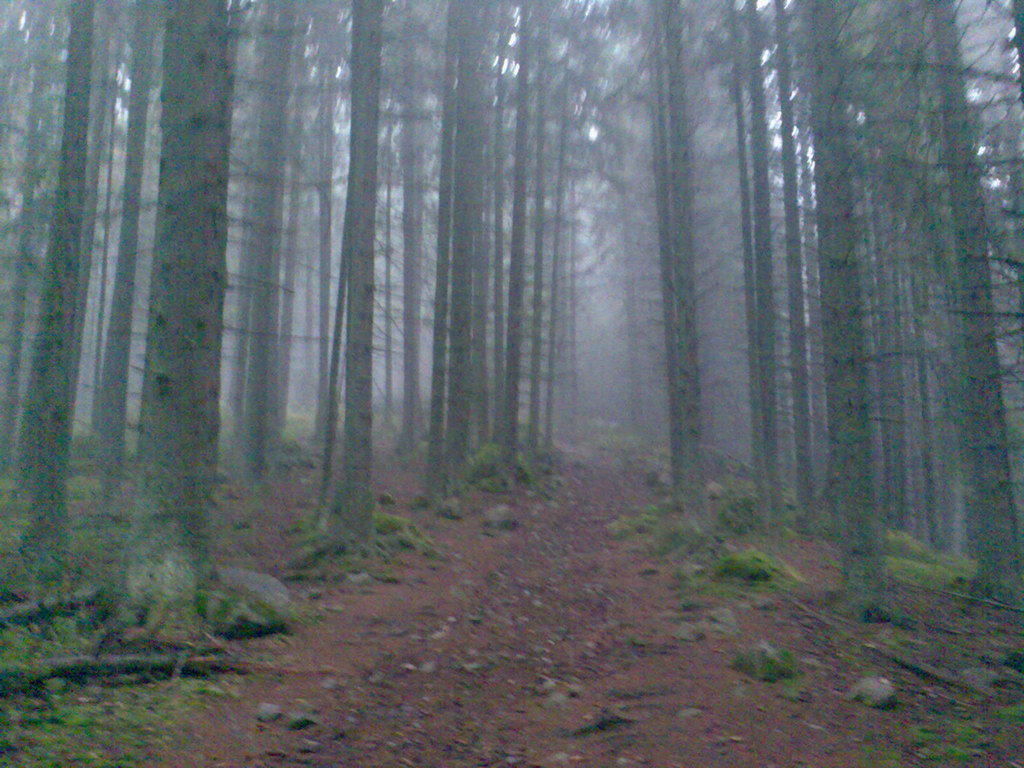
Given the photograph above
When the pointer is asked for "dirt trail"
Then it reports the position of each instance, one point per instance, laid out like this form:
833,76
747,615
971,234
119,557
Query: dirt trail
551,644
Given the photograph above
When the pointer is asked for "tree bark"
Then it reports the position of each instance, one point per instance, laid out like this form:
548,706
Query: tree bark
113,391
539,228
769,482
517,259
991,508
49,406
437,469
351,519
850,485
31,177
412,246
168,556
262,376
798,360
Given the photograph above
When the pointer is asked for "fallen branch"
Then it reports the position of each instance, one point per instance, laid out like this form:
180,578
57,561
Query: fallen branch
968,598
80,668
49,606
921,669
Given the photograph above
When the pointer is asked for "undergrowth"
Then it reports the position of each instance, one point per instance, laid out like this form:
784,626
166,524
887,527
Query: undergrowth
99,727
913,562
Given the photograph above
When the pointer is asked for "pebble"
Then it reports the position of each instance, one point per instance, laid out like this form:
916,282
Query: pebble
267,712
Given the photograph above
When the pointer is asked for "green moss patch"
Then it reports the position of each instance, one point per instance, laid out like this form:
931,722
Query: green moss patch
767,663
395,534
110,727
750,565
913,562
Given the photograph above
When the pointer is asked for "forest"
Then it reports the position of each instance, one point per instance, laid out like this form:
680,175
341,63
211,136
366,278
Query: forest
512,382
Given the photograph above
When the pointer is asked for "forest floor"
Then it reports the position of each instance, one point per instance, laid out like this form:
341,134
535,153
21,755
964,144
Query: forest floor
558,643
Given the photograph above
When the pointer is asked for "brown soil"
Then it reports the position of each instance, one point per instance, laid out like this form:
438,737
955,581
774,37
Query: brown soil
552,644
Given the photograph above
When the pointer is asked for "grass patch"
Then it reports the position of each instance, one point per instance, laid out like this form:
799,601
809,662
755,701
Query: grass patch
750,565
767,663
111,727
395,534
1012,714
913,562
956,742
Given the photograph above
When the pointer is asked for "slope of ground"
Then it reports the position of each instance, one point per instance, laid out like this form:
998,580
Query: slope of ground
555,643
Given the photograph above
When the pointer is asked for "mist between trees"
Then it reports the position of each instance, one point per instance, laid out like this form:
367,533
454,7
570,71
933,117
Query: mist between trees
787,233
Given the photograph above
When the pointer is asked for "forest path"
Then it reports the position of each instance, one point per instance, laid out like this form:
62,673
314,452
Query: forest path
550,644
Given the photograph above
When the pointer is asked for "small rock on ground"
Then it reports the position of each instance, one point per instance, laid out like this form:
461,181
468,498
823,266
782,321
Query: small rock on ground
267,712
877,692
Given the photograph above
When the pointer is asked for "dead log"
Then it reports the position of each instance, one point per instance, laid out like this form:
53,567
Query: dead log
927,671
82,668
56,605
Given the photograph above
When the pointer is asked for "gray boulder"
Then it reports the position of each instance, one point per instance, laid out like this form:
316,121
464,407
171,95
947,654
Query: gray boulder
500,518
260,586
877,692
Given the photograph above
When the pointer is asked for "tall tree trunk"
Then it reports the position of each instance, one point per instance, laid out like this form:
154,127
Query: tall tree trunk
668,269
31,178
325,220
168,554
517,258
467,194
290,250
991,508
113,390
798,360
268,208
49,406
104,263
769,483
689,476
850,486
747,232
437,470
556,276
498,187
539,228
351,518
388,320
412,245
104,93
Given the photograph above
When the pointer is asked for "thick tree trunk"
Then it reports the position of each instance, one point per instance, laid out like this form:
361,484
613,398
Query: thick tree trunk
351,518
263,371
689,477
467,222
46,432
168,555
991,509
850,486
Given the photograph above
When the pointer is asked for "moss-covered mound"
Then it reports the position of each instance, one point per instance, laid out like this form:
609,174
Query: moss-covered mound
913,562
751,565
766,662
